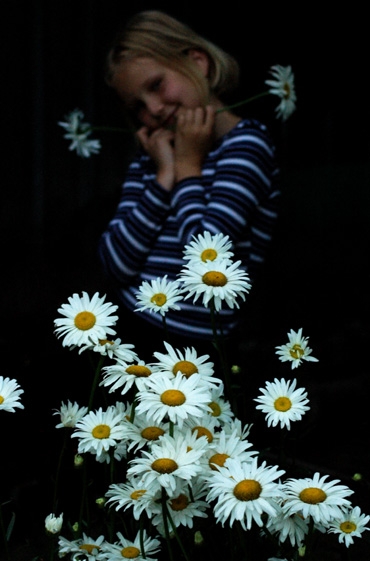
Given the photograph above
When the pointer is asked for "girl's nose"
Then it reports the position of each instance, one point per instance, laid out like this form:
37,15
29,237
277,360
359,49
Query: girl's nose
154,106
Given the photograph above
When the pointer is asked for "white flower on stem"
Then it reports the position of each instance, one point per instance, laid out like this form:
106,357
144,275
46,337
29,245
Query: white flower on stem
282,85
10,393
220,407
85,320
242,430
142,547
228,446
282,403
53,524
142,432
70,414
123,375
296,350
293,527
315,497
207,426
208,247
351,523
219,282
133,495
243,491
85,548
159,295
79,132
98,431
112,349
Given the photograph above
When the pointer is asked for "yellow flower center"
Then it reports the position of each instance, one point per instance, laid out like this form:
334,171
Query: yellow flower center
89,547
296,351
214,278
348,527
164,465
159,299
138,370
286,89
130,552
247,490
152,433
173,398
101,431
179,503
137,494
1,399
282,404
312,495
186,368
209,254
105,342
216,409
85,320
218,459
203,431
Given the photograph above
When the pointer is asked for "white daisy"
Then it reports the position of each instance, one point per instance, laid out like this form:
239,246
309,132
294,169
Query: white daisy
208,247
10,392
315,497
79,133
70,413
282,403
168,461
283,86
98,431
218,282
85,320
124,375
242,430
142,432
293,527
220,407
349,524
159,295
244,491
142,547
207,426
175,399
85,548
133,495
296,350
228,446
112,349
53,524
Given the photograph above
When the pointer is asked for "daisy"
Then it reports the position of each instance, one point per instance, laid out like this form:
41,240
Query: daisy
228,446
243,491
9,394
85,548
207,426
208,248
70,413
79,133
175,399
123,375
218,282
142,432
159,295
112,349
53,524
293,527
132,494
85,320
142,547
220,407
296,350
349,524
315,497
99,430
282,403
168,461
283,86
236,425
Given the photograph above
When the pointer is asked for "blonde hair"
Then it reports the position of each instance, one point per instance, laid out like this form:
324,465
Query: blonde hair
155,34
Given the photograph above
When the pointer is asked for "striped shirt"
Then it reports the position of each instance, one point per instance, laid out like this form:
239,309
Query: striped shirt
236,195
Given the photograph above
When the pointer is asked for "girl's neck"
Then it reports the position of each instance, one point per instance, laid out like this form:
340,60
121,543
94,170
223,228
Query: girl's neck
225,120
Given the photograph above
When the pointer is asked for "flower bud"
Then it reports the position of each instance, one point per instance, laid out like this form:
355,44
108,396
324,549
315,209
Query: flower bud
53,524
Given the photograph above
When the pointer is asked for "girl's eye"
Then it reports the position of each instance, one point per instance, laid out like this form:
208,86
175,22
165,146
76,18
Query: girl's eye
156,84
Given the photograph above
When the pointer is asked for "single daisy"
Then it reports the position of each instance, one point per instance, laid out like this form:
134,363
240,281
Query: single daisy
208,247
79,133
228,446
220,407
282,85
85,548
133,495
10,392
142,547
142,432
294,527
242,430
243,491
85,320
207,426
53,524
159,295
218,282
351,523
112,348
124,375
98,431
174,399
69,414
296,350
315,497
282,403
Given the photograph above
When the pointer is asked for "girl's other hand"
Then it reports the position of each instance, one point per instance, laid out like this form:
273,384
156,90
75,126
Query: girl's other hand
159,145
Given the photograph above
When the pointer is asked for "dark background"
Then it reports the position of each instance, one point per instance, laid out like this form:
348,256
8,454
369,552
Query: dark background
55,206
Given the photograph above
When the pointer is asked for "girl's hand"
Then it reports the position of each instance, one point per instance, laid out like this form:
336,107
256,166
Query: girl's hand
193,140
159,145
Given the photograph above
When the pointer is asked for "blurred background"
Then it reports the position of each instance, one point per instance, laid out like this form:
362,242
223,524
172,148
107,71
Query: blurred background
55,206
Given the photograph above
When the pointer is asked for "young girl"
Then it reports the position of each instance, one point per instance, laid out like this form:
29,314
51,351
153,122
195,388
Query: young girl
199,168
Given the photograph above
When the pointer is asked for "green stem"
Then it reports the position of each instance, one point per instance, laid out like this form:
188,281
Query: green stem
4,534
95,381
174,529
239,103
165,523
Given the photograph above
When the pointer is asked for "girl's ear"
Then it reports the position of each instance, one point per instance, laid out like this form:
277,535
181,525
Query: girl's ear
201,59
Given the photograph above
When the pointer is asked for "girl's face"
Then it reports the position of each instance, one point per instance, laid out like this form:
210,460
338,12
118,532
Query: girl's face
154,92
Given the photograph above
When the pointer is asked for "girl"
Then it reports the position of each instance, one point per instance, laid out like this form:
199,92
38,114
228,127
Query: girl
199,167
